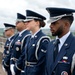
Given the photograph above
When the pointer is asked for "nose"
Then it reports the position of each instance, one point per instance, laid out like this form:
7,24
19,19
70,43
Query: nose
50,26
26,23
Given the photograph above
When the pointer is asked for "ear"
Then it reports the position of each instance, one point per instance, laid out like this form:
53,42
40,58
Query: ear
37,22
67,24
11,29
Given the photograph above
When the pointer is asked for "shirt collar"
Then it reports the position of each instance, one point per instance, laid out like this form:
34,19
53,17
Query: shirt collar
10,37
35,33
63,39
22,32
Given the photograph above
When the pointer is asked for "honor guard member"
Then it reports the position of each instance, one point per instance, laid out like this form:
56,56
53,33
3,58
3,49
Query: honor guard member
9,33
20,64
36,47
23,33
61,50
73,65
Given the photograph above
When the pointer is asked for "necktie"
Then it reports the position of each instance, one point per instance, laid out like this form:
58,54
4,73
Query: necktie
56,49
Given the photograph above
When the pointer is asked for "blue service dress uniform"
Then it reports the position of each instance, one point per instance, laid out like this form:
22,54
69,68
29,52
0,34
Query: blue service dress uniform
35,52
73,73
62,64
20,64
6,55
17,48
73,65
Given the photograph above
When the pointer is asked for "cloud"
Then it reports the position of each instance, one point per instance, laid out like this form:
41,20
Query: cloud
9,8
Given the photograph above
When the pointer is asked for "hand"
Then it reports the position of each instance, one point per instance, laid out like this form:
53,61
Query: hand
12,69
3,68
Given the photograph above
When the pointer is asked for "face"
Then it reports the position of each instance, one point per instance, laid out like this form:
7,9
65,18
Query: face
20,25
31,25
57,28
7,32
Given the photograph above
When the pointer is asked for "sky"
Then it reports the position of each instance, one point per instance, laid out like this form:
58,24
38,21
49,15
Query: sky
10,8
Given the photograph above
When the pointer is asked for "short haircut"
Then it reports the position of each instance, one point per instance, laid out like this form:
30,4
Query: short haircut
69,18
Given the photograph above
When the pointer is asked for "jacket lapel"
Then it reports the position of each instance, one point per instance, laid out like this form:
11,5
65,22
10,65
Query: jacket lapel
50,54
63,51
31,43
35,39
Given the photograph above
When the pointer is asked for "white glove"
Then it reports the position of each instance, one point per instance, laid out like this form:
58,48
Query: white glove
3,68
73,62
12,69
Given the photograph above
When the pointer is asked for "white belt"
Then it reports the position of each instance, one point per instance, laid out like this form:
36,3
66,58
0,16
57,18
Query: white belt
30,63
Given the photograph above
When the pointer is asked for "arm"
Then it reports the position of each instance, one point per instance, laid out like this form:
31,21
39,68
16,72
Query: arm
19,66
73,65
41,56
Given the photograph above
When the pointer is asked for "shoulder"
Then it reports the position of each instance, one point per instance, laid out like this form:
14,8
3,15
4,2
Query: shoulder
16,35
26,37
44,39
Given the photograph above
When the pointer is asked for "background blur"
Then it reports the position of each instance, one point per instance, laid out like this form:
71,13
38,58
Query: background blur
9,9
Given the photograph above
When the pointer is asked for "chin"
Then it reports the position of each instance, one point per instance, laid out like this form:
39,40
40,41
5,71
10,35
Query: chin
54,35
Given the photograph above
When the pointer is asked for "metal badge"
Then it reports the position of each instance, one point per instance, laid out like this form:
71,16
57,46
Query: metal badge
7,52
66,44
17,49
64,73
44,51
65,57
35,36
33,44
18,43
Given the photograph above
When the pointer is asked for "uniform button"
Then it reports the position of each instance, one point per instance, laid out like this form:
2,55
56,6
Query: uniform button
7,52
33,45
17,49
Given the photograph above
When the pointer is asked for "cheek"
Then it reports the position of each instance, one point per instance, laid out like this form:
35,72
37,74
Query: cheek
6,33
28,26
18,25
53,27
31,25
